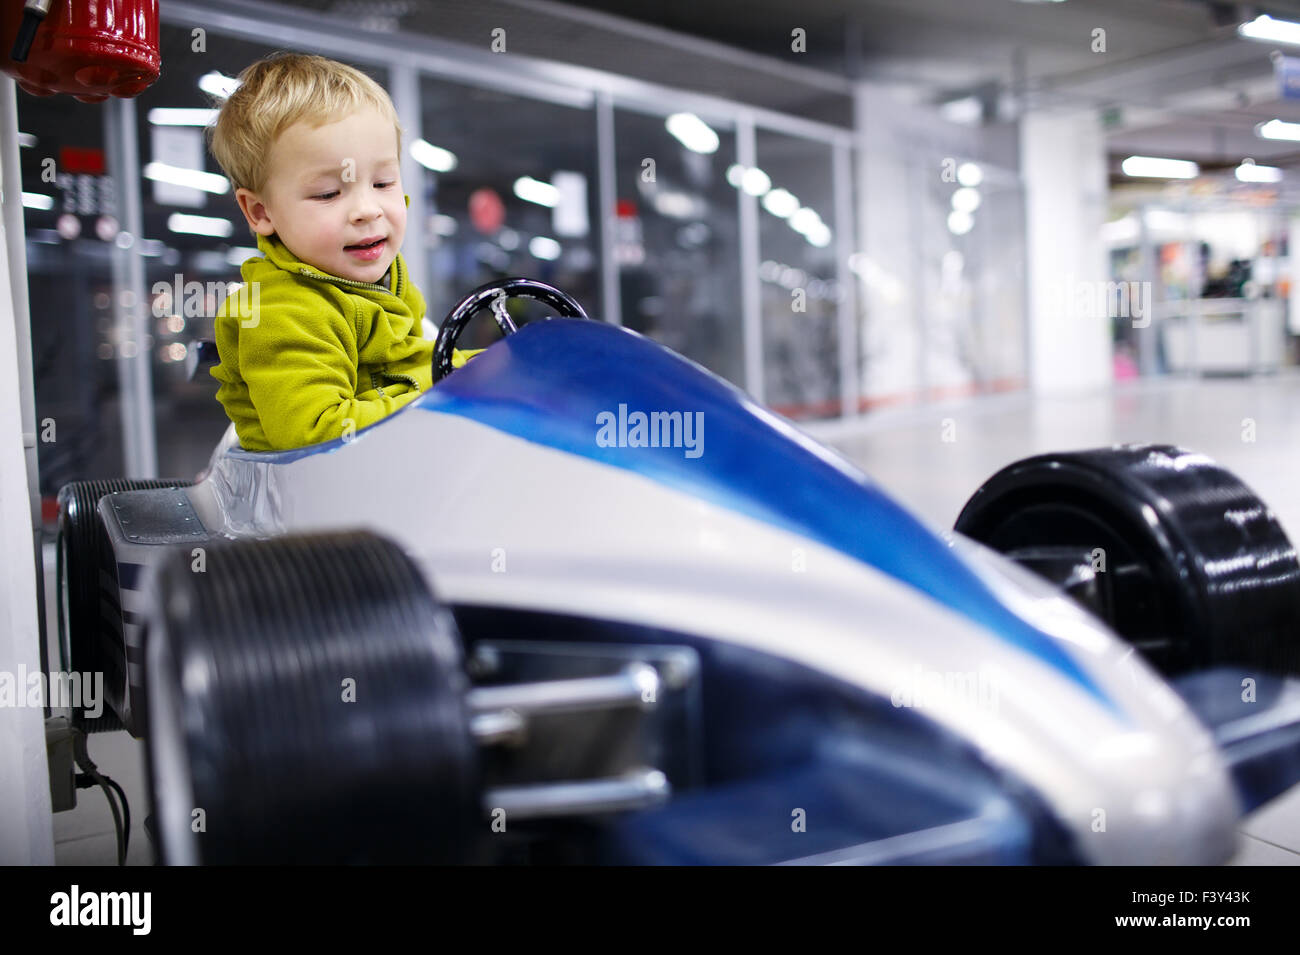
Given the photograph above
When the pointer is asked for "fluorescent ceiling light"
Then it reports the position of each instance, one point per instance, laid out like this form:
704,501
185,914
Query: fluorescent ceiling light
692,132
444,225
236,255
1264,27
805,220
200,225
753,180
676,205
433,157
544,247
534,190
194,178
218,84
781,203
1276,129
1248,171
26,139
959,223
163,116
819,236
969,174
966,199
756,182
1153,167
37,200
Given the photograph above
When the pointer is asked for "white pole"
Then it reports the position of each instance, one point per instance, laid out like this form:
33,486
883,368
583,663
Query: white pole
26,828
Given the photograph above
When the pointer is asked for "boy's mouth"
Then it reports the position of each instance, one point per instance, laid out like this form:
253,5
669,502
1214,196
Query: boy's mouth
367,251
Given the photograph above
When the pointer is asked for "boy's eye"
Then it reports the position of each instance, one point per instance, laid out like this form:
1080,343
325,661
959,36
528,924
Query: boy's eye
326,195
383,185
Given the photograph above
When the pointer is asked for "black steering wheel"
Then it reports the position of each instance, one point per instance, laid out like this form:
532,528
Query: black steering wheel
494,295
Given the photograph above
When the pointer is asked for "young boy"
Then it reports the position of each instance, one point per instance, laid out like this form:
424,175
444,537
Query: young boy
333,341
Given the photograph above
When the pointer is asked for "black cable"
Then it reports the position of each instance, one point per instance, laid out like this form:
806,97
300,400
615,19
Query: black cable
82,757
89,780
126,816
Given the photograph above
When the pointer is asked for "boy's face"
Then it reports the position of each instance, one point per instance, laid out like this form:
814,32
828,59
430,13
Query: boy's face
332,189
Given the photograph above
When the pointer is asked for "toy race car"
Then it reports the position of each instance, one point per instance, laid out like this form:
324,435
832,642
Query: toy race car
584,601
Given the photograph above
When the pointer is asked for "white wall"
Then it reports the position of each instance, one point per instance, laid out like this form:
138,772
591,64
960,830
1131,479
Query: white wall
1063,162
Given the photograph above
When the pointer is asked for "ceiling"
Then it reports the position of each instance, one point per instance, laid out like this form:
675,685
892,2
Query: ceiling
1174,78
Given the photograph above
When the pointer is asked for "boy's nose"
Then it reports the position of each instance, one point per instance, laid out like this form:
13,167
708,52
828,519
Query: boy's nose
365,210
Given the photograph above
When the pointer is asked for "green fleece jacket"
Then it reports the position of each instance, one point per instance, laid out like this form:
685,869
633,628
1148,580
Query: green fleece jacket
308,357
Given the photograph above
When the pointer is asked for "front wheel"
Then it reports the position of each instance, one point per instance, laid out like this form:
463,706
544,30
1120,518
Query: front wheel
1195,569
306,704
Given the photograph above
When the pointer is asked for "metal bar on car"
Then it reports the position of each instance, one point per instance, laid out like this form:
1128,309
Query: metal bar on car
635,684
637,790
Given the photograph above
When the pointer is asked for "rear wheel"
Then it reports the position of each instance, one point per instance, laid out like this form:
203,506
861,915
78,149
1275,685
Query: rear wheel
306,703
1194,568
89,609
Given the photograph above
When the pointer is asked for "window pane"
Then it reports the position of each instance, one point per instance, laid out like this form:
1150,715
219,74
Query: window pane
801,369
69,282
677,243
479,228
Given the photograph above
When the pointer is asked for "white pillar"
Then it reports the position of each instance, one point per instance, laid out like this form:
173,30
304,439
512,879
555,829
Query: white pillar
888,262
1063,164
26,832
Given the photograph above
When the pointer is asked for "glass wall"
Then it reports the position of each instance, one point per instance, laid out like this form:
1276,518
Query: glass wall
676,241
511,189
510,182
972,281
66,195
800,293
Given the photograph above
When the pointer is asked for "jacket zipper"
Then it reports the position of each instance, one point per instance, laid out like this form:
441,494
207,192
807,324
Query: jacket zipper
334,278
415,385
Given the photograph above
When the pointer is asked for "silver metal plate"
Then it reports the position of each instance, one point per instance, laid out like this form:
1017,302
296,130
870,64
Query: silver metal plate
162,516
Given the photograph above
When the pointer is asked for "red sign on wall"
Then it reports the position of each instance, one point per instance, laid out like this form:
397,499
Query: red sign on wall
78,159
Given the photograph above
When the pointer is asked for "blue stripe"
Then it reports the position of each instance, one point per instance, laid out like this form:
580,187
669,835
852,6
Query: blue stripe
549,382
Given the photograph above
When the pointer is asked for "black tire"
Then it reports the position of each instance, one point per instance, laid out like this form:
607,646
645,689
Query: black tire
245,666
1199,571
89,608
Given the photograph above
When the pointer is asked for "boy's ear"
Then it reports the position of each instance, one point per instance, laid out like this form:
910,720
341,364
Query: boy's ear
255,211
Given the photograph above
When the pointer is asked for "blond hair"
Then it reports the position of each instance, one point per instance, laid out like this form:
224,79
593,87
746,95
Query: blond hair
277,92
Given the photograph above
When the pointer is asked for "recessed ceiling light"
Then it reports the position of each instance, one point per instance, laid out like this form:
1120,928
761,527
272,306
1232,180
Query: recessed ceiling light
1277,129
1154,167
1264,27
